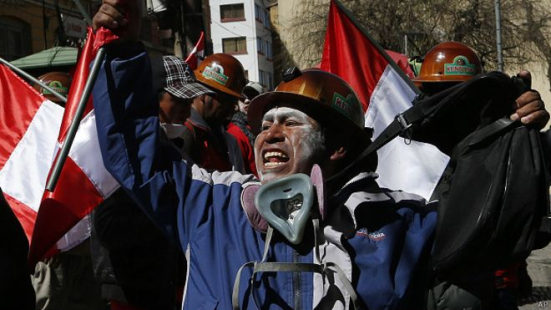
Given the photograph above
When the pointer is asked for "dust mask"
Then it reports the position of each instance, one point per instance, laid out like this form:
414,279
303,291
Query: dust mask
173,131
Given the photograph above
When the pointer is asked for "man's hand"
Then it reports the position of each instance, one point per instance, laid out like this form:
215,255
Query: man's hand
530,109
121,16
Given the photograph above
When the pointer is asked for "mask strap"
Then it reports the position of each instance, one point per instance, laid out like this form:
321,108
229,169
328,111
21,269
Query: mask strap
264,266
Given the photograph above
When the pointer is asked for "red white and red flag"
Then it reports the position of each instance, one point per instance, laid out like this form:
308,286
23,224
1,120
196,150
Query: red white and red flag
350,53
32,129
84,182
197,53
29,125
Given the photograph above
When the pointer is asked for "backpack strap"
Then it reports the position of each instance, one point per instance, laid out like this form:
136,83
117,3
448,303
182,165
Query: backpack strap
402,123
492,129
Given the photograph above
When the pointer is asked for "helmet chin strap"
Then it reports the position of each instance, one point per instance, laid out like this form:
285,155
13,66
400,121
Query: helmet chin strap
287,205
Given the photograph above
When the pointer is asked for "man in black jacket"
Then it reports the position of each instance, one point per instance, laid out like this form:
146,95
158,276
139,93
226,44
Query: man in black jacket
445,66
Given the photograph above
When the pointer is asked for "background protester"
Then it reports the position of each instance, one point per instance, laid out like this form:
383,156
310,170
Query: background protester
239,126
206,140
444,66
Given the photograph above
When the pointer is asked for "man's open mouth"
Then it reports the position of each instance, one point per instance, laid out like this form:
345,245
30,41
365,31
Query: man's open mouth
274,159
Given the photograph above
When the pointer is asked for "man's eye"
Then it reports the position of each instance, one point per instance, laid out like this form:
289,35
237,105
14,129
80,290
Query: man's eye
291,123
265,127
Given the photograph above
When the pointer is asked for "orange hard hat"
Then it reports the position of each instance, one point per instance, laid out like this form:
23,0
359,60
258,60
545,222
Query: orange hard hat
224,73
58,81
449,62
321,95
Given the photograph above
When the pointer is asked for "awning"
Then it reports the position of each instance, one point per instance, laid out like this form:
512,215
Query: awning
53,57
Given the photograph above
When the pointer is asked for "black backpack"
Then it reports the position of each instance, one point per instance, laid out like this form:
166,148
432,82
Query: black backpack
494,195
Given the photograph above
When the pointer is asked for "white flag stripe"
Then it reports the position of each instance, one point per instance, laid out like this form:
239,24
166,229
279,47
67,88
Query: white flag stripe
85,152
391,96
24,175
80,232
414,167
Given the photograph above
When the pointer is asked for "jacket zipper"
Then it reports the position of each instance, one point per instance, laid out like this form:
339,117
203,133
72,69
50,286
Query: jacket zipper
296,282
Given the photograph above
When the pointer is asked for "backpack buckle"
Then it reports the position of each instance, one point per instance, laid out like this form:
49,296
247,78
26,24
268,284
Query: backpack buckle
403,122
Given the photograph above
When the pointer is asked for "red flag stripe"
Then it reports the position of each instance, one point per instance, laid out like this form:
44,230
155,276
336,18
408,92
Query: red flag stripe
344,41
14,121
77,87
24,214
64,207
198,50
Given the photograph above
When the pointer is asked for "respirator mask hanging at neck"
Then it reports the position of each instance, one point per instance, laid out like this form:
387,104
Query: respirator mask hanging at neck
173,131
287,205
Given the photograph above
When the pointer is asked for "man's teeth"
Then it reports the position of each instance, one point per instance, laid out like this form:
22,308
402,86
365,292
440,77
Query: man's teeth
273,164
274,159
275,154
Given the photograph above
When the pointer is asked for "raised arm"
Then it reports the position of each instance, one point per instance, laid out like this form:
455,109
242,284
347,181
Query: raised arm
126,110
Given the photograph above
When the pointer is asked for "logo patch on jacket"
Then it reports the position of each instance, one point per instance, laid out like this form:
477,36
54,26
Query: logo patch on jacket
375,236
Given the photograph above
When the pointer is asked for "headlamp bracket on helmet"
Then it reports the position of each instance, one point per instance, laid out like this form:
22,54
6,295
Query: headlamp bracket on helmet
291,73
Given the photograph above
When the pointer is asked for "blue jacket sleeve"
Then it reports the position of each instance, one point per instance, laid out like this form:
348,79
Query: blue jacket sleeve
128,129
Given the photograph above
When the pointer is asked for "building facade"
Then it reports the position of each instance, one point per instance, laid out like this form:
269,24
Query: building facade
242,28
31,26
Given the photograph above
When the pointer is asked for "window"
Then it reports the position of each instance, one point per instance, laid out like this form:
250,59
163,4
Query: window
270,81
268,50
262,78
266,20
266,79
258,13
15,38
234,45
260,46
262,16
232,12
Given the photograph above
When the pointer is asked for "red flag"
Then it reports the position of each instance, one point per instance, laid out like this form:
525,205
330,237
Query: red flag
384,91
29,125
198,52
402,61
83,183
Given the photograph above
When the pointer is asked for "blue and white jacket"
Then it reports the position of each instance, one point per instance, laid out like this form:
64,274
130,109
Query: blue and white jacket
379,238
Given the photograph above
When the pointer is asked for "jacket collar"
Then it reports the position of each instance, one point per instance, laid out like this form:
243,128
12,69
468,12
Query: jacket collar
360,192
196,120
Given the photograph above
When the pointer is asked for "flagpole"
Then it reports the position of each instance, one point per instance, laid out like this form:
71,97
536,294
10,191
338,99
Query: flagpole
33,79
71,133
379,48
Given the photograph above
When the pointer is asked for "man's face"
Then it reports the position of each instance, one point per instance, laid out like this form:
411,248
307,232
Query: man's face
220,107
290,142
244,105
173,110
